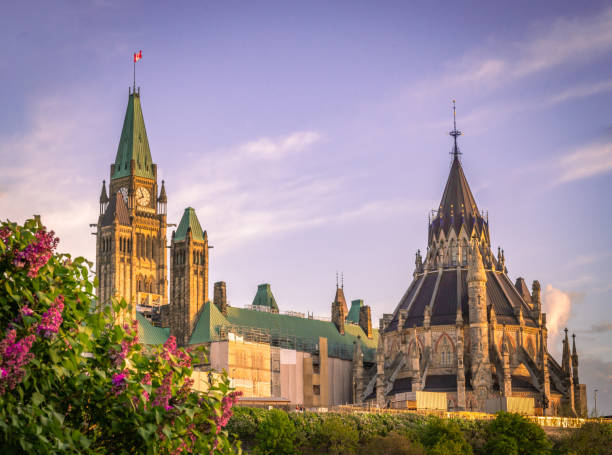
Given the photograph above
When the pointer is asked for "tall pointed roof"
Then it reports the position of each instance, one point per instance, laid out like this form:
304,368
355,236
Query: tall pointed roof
103,196
457,207
134,143
189,220
458,197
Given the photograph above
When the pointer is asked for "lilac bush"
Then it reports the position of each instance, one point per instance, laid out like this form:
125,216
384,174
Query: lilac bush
74,381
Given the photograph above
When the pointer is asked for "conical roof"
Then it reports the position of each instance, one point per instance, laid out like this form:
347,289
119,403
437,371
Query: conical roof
162,194
189,220
103,195
457,207
134,143
457,197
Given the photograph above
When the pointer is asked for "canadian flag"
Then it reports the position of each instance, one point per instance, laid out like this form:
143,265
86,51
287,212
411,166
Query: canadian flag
137,56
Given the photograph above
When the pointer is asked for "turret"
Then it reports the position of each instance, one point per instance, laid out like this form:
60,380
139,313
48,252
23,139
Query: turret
103,198
574,360
566,360
162,200
479,337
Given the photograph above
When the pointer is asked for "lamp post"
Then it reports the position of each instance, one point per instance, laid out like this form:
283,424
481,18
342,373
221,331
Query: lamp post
596,402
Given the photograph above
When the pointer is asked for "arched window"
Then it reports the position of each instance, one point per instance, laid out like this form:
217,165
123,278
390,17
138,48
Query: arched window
453,253
445,350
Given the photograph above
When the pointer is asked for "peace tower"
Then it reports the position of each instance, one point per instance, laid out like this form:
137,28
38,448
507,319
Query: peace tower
131,259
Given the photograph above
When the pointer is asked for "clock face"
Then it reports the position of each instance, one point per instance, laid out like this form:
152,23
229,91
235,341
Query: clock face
124,192
142,196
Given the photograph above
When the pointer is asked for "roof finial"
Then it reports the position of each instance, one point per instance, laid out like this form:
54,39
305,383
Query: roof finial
342,280
455,133
336,279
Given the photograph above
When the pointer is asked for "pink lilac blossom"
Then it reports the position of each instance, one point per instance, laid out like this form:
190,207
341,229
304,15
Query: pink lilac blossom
146,380
119,382
36,254
5,233
226,409
27,311
14,356
170,349
163,393
52,318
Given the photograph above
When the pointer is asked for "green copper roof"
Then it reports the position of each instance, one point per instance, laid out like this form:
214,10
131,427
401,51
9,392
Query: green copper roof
264,297
189,220
149,334
353,314
303,331
205,329
134,143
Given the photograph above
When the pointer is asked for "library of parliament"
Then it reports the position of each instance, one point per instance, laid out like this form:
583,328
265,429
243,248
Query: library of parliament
462,328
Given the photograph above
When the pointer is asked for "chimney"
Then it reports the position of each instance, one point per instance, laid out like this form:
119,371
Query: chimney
365,320
220,297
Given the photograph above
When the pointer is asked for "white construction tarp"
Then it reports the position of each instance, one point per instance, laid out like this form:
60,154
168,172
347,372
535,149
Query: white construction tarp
520,405
431,400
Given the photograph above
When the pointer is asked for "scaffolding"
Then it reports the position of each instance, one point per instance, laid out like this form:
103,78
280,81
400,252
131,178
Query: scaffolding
284,339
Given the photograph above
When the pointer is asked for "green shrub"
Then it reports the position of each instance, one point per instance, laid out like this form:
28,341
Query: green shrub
592,438
337,435
392,444
276,434
513,434
444,437
307,427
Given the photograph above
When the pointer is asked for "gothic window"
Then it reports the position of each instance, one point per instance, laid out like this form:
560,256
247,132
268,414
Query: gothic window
445,352
148,246
194,258
454,252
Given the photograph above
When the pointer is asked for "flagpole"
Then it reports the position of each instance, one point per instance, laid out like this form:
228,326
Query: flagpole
134,73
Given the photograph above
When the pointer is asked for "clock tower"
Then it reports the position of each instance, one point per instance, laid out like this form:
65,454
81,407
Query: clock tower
131,259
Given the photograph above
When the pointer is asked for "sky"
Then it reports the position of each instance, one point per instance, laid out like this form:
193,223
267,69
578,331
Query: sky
312,138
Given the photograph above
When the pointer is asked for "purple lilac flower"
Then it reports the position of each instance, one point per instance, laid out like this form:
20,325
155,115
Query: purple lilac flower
119,382
14,355
36,254
170,349
52,318
27,311
226,409
163,393
5,233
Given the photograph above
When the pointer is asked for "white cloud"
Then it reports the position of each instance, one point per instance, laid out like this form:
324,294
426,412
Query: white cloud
44,167
581,91
557,305
498,64
251,192
276,148
588,161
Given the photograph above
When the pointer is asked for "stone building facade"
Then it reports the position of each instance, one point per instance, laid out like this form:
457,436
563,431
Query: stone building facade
131,259
464,328
293,356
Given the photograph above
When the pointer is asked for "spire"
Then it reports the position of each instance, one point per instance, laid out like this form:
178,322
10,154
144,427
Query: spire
162,194
455,133
457,206
189,220
565,363
103,195
574,345
133,144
